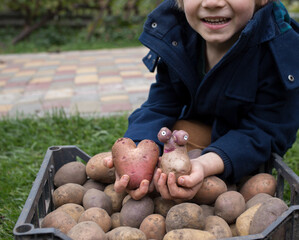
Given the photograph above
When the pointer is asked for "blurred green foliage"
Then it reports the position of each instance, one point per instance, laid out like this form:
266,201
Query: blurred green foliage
114,23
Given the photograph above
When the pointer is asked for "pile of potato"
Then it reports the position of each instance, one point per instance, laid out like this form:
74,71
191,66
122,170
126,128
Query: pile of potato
87,207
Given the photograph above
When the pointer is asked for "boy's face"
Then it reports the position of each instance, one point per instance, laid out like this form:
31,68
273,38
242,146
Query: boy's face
220,21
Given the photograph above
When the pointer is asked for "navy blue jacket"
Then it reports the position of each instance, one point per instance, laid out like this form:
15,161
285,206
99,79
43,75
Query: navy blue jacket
250,98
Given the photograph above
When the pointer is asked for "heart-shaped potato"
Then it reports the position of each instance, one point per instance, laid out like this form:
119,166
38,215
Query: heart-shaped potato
137,162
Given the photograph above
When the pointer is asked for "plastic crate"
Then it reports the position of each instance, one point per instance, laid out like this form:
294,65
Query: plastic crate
39,202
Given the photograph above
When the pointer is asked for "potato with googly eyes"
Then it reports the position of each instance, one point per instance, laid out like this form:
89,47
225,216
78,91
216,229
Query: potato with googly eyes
175,156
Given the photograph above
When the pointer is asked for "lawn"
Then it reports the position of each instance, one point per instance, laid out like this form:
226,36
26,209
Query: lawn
24,142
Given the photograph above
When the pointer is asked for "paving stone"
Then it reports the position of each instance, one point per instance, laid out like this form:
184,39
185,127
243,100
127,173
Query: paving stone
59,93
88,78
40,80
37,86
114,98
57,104
4,108
85,107
26,109
116,107
20,79
62,77
31,97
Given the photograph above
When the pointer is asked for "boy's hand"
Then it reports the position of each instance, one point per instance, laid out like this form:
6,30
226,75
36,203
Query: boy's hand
187,186
120,184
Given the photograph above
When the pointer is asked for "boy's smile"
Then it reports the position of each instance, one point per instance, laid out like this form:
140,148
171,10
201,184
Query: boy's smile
220,21
215,22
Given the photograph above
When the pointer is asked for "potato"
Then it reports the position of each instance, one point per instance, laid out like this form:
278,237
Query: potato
259,183
137,162
185,215
125,233
126,198
115,220
233,229
97,198
207,210
267,213
116,198
244,221
97,171
68,193
87,231
229,206
97,215
90,183
154,226
72,172
218,227
259,198
58,219
134,211
188,234
175,156
211,188
162,205
74,210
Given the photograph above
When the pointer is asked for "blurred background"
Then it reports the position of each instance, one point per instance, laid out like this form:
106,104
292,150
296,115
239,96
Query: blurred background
62,25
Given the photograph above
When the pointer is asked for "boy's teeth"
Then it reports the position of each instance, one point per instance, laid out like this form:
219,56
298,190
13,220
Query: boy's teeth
215,20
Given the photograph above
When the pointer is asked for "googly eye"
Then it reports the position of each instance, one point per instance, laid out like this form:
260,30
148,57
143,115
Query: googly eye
185,137
163,133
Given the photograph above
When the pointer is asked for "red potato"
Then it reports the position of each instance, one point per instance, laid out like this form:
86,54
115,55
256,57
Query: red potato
137,162
175,157
259,183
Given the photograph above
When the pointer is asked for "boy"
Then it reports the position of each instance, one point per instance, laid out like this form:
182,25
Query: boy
228,68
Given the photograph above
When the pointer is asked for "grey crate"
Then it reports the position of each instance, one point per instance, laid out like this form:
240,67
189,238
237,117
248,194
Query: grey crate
39,202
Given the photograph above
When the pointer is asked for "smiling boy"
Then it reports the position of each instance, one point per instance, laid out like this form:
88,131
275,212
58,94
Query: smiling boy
226,67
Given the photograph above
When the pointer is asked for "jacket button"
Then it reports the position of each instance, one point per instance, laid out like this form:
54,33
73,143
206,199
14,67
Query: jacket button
154,25
174,43
291,78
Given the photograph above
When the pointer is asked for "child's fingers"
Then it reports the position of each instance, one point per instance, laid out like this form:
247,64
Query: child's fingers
162,186
120,184
141,191
174,190
178,192
189,181
196,176
108,162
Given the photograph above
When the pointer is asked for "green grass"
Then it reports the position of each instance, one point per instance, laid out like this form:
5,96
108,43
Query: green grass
24,142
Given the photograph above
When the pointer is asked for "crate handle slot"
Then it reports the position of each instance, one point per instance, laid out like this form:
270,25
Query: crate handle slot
24,228
54,148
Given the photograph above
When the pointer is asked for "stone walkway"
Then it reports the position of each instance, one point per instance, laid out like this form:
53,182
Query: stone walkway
100,82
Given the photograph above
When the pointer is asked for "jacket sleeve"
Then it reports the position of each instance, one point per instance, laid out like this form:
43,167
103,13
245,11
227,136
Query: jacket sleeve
161,109
270,125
